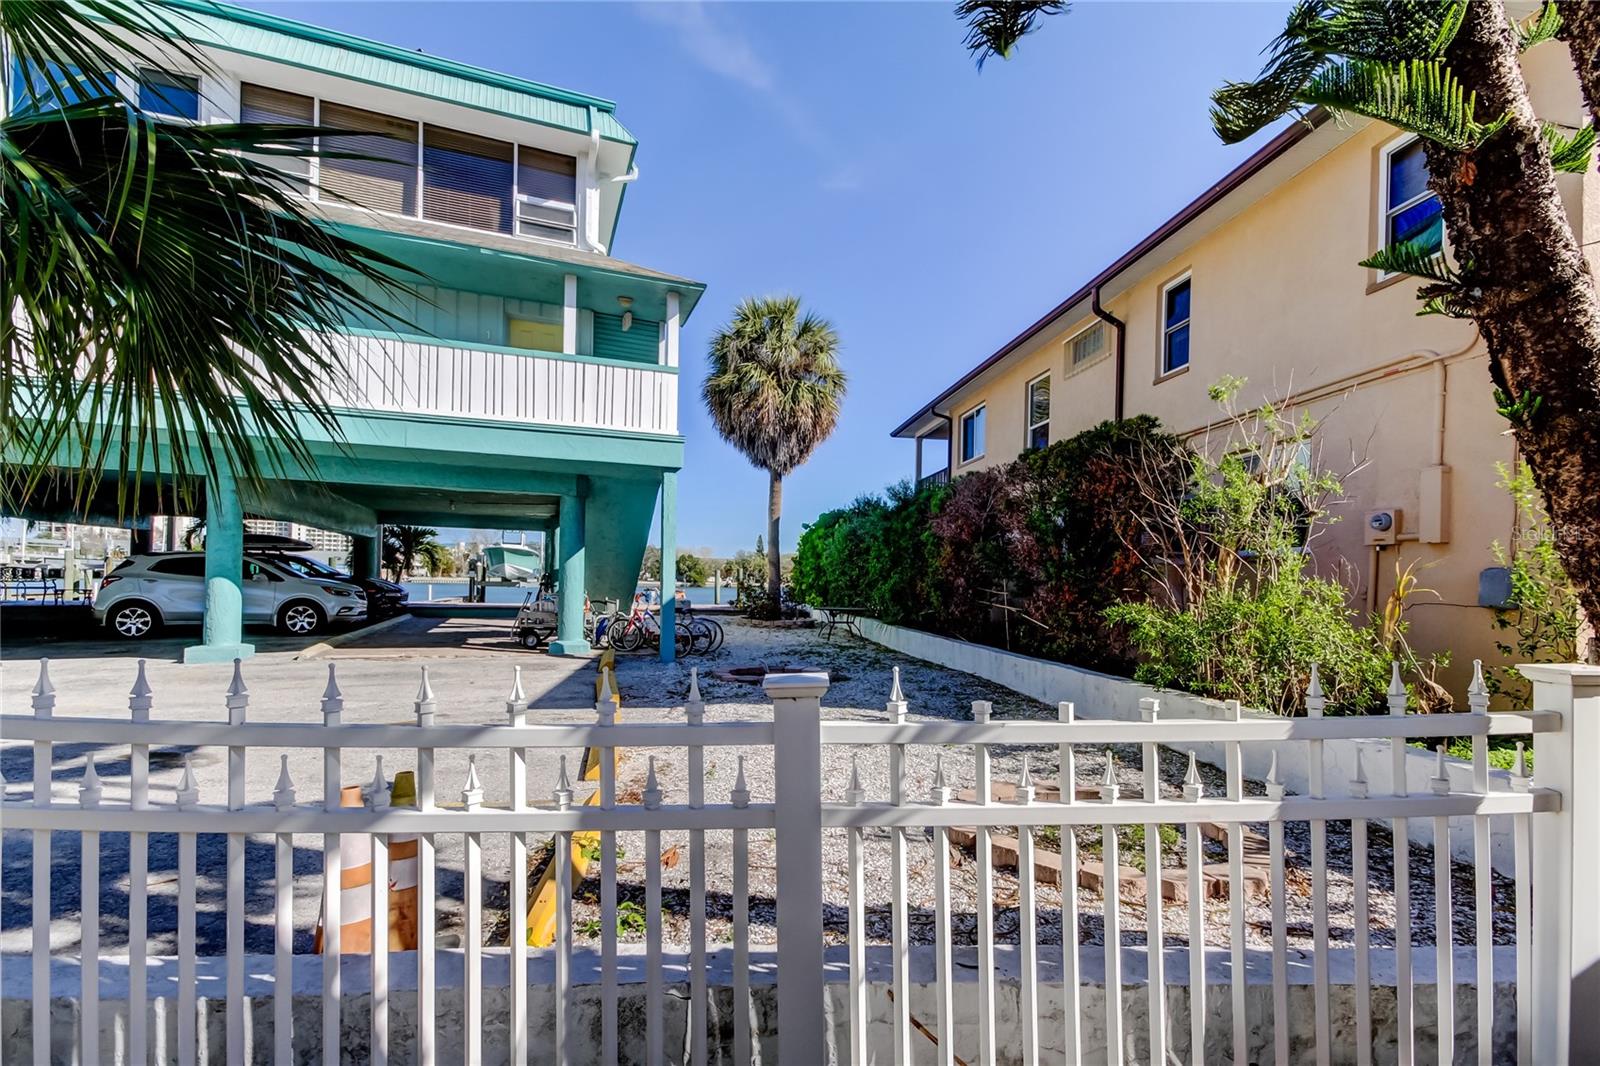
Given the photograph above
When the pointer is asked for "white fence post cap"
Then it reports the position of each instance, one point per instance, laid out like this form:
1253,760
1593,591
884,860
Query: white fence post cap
795,686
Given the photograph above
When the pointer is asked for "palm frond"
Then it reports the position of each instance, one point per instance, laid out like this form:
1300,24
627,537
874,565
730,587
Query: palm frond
167,297
995,26
1414,258
1571,151
1539,28
1418,95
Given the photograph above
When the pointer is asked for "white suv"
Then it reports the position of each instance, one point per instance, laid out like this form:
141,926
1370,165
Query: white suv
149,591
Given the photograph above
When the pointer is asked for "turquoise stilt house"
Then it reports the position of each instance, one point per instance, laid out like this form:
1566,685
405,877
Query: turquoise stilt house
536,382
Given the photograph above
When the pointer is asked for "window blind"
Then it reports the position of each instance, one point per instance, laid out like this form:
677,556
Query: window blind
547,175
466,179
257,103
385,177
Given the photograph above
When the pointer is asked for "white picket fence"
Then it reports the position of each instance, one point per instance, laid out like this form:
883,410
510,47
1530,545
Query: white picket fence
1555,925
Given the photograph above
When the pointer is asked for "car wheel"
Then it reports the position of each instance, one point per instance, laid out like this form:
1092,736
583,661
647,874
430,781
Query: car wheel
134,621
301,618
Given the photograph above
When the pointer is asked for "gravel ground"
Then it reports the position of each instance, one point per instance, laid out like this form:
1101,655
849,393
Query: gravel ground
861,674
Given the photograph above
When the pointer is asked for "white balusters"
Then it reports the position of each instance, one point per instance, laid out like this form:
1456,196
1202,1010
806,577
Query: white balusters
854,796
981,710
237,702
332,878
1194,856
695,714
1405,1050
1483,900
1027,934
44,702
517,715
427,972
739,798
472,933
1067,780
1316,704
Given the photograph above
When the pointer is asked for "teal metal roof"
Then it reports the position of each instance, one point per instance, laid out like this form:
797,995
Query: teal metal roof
345,55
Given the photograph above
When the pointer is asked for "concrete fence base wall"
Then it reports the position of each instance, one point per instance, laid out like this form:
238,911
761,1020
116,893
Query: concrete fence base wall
1097,695
16,1011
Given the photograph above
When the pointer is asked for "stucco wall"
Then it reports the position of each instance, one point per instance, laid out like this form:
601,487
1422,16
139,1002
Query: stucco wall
1097,695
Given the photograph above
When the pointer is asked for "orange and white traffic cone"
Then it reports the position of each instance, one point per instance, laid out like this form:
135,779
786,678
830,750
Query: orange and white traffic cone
355,885
403,870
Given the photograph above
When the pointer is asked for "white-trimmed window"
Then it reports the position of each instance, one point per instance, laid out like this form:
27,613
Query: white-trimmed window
1175,326
1411,210
972,433
170,95
1086,344
1039,412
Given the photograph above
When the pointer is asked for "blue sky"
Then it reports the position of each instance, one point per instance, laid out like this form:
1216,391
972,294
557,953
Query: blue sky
853,154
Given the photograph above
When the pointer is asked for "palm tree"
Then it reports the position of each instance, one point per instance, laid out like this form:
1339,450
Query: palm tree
404,545
1451,72
165,291
773,388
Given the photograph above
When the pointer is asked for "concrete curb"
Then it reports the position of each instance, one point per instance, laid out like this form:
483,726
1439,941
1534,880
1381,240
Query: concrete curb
321,648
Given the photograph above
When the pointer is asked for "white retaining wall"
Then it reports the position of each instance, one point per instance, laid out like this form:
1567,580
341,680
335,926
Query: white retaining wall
1097,695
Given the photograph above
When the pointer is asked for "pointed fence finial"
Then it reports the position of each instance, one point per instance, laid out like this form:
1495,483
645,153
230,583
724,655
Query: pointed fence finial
1108,779
1358,780
188,787
605,706
472,792
939,794
982,710
516,700
694,707
1440,781
44,692
1275,788
283,791
854,794
895,694
238,696
139,697
563,792
1397,690
424,702
332,699
89,790
1478,691
652,788
1149,709
1025,789
1519,769
1316,701
1192,788
378,789
740,796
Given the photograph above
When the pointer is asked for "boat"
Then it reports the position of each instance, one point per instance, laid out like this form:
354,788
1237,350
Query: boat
512,563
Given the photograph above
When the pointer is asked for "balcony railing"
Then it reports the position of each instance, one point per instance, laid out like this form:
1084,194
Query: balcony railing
938,477
417,376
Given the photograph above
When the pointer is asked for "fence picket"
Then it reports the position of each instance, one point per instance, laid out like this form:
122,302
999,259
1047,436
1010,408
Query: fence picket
1482,858
332,878
1405,1049
605,710
854,842
899,887
981,711
1067,786
739,799
517,911
1316,703
1156,978
139,703
563,860
44,701
1027,937
1443,921
694,714
427,947
237,701
1280,930
472,929
1111,904
654,1005
944,992
1363,917
1194,856
1234,768
1522,857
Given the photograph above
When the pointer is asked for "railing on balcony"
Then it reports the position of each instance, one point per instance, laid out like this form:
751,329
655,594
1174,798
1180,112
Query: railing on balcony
503,384
938,477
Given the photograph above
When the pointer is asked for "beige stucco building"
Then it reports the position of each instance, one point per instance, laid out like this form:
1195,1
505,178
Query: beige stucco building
1258,278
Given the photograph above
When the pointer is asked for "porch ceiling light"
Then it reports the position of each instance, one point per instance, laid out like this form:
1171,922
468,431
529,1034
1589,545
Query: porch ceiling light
627,315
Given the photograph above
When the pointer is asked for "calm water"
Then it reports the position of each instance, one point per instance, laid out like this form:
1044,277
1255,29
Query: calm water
446,590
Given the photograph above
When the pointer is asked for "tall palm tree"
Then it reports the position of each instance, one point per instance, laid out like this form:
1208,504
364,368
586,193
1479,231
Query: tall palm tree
1451,72
164,290
404,545
773,388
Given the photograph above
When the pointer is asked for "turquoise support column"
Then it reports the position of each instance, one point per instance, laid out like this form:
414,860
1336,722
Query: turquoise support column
222,630
669,564
364,556
569,618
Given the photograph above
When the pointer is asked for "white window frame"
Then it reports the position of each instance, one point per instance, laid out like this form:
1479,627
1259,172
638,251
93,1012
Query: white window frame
1027,412
1067,345
1385,212
1162,369
961,435
135,85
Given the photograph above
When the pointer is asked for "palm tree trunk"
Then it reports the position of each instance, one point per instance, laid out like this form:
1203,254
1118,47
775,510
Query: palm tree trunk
1533,295
774,557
